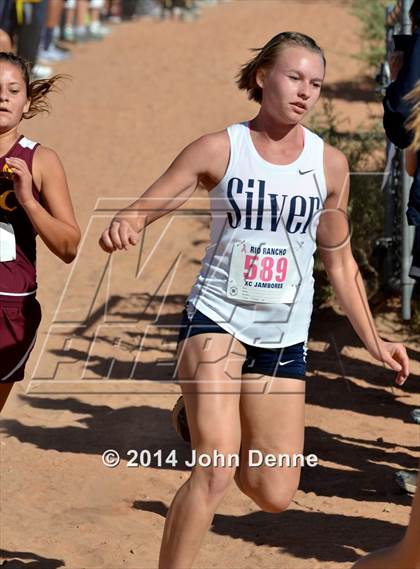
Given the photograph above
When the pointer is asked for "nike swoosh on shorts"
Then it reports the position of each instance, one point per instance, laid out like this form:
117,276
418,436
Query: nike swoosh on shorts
284,363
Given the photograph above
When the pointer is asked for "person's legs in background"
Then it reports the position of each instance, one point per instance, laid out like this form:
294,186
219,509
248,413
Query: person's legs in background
69,16
147,9
30,29
49,52
113,10
81,32
28,35
186,10
129,9
82,20
5,41
6,9
96,29
167,8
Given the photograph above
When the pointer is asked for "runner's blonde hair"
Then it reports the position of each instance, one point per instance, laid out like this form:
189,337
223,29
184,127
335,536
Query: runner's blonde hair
266,58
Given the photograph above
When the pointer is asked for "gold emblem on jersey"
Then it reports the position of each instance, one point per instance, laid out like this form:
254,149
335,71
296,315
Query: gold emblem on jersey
6,189
7,171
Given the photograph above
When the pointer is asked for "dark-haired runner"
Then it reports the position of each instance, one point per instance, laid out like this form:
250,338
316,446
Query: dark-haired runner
34,199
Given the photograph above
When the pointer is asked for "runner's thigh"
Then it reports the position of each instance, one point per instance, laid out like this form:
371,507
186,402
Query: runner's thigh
271,422
209,372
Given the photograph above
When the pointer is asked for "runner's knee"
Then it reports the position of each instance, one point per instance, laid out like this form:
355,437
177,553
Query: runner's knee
273,501
213,480
270,497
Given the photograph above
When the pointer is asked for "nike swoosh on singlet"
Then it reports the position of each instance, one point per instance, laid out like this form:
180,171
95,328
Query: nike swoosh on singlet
305,171
284,363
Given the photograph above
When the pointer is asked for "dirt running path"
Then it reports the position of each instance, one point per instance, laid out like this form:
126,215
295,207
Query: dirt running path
134,102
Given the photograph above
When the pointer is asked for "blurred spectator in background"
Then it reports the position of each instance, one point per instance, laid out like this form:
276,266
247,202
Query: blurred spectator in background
406,72
33,28
83,20
49,52
6,7
5,41
402,125
27,22
113,11
185,9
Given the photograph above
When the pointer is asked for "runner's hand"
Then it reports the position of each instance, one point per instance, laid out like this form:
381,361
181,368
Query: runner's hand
22,181
119,235
395,356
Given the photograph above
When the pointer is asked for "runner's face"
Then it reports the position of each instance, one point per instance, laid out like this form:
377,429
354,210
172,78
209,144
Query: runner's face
292,86
13,98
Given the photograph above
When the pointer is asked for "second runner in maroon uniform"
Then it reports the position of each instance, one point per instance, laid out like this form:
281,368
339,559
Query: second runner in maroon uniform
20,312
34,199
18,276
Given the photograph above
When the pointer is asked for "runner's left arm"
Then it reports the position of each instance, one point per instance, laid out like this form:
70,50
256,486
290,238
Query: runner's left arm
333,236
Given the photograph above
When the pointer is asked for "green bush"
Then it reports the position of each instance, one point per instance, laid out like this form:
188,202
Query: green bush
366,208
371,14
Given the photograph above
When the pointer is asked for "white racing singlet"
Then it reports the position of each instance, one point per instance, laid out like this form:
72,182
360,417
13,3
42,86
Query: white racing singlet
256,277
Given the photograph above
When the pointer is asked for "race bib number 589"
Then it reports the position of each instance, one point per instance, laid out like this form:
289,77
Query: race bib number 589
262,273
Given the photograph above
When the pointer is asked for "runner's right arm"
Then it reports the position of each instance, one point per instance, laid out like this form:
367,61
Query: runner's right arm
201,160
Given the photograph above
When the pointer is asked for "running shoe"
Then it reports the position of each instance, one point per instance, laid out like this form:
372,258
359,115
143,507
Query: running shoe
415,415
148,9
52,55
68,34
41,71
97,31
166,14
189,15
179,420
81,34
406,480
114,19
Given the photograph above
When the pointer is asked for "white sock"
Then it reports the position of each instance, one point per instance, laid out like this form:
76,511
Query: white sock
95,26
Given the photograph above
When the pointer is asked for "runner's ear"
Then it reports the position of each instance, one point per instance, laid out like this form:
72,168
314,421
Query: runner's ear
259,77
27,106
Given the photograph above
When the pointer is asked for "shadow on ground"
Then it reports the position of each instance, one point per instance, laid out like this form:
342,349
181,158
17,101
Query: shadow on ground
335,539
367,474
26,560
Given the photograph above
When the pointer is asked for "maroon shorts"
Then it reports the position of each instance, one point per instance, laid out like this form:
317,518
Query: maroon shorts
19,321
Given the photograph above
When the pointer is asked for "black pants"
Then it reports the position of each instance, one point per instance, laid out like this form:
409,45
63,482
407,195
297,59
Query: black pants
415,266
27,33
6,16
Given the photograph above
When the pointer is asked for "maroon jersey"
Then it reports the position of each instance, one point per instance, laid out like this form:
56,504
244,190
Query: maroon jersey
18,276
